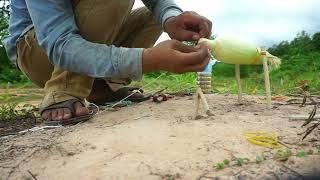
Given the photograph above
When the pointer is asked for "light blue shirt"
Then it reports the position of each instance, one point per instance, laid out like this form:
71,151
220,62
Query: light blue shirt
58,35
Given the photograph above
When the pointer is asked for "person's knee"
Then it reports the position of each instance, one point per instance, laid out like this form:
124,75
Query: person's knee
145,15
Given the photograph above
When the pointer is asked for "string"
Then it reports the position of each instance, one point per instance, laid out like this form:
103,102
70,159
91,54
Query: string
133,92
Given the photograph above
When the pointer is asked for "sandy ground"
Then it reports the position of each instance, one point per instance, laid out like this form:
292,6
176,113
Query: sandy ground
162,141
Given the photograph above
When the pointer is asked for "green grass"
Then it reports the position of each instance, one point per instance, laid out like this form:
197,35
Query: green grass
19,99
254,84
19,94
174,82
11,111
26,84
223,81
284,81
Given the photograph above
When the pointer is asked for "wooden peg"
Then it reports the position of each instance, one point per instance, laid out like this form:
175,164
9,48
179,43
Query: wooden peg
237,72
266,79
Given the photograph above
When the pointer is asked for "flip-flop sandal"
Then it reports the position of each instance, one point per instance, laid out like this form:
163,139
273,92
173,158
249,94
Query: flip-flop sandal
114,96
74,119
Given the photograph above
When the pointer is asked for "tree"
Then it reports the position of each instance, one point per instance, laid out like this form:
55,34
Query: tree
4,15
316,41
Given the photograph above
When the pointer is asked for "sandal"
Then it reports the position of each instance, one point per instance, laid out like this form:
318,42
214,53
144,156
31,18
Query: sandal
74,119
122,93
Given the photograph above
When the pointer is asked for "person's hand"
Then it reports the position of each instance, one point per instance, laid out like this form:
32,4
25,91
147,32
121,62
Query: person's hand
188,26
176,57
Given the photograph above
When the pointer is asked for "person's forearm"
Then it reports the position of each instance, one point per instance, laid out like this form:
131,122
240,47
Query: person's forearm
100,60
57,34
163,9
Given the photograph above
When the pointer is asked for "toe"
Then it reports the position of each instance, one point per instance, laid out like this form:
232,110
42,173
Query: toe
60,114
80,109
66,113
47,115
54,114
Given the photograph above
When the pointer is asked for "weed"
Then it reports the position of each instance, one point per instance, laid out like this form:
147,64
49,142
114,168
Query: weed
12,111
220,165
226,162
282,155
5,96
18,95
241,161
301,154
7,111
260,158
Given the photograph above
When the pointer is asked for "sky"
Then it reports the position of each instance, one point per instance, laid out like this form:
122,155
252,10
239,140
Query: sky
264,22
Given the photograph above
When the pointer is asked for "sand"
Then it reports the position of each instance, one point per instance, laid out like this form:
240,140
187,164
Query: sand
161,141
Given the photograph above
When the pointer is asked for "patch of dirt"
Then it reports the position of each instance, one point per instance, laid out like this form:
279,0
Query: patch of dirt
162,141
13,126
16,118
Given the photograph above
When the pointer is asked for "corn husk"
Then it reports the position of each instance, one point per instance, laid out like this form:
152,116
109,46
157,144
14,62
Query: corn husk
235,51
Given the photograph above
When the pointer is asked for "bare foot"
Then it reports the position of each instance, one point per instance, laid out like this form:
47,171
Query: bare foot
65,113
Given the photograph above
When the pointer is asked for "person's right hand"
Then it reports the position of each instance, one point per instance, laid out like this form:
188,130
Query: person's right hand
176,57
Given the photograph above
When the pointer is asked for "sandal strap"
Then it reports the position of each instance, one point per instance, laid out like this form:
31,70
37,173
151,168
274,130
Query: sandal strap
64,104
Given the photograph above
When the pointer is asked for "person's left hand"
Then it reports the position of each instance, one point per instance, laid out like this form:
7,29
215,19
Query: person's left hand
188,26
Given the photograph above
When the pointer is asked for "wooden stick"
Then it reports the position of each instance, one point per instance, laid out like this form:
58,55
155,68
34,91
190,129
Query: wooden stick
266,78
196,113
205,103
237,71
302,117
200,97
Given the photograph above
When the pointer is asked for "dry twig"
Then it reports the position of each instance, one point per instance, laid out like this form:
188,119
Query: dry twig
310,119
32,175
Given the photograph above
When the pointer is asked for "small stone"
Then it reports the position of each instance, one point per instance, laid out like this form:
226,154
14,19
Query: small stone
71,153
242,177
310,151
313,140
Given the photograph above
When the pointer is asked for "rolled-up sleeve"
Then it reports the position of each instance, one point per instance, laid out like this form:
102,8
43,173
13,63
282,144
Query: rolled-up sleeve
58,35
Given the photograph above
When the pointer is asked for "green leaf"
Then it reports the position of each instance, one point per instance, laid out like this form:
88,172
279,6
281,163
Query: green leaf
259,158
282,155
241,161
226,162
220,165
301,154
